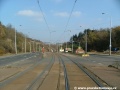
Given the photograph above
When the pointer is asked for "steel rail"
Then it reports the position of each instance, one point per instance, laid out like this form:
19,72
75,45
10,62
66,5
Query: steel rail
92,76
58,85
34,85
67,87
10,79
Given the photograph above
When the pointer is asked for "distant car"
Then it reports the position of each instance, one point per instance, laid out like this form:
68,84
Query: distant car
115,49
66,51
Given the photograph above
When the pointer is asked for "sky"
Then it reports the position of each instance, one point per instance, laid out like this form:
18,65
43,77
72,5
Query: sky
59,19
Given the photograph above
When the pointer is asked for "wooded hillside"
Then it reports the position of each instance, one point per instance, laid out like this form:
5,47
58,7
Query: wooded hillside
7,40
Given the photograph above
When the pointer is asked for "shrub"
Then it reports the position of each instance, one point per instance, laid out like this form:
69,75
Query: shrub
2,50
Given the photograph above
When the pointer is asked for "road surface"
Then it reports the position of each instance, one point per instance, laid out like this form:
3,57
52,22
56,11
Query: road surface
57,71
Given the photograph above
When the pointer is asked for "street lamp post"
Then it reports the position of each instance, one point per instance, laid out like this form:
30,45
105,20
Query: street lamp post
86,43
66,46
110,44
66,43
33,48
72,44
36,46
25,43
39,47
22,47
15,44
110,35
30,46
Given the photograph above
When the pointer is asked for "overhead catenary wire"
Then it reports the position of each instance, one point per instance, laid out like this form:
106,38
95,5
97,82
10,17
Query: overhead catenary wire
68,19
70,15
43,16
46,20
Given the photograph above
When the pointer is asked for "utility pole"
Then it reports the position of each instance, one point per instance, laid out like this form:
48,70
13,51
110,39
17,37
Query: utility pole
72,44
72,41
15,44
30,46
86,43
110,43
22,47
25,43
39,47
36,46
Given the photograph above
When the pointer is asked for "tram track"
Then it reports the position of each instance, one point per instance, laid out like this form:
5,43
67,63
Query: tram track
65,73
26,78
51,80
38,81
92,78
18,74
55,72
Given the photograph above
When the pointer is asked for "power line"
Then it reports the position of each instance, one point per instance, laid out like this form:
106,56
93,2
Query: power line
70,14
69,18
43,15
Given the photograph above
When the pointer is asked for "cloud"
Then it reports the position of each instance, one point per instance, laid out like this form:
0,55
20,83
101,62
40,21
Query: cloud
62,14
76,13
66,14
30,13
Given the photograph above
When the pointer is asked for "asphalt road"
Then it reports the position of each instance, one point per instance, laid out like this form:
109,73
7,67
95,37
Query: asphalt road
7,60
96,59
104,59
32,68
99,59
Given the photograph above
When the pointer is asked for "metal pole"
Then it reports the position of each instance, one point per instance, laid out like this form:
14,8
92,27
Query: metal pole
66,46
86,43
25,43
57,47
110,35
30,46
39,47
33,47
22,48
110,44
36,47
15,44
72,44
50,42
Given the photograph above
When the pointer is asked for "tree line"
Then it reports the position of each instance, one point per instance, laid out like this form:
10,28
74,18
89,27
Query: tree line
97,39
7,40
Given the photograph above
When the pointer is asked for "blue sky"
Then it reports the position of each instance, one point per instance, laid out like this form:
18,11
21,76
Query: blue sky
86,13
